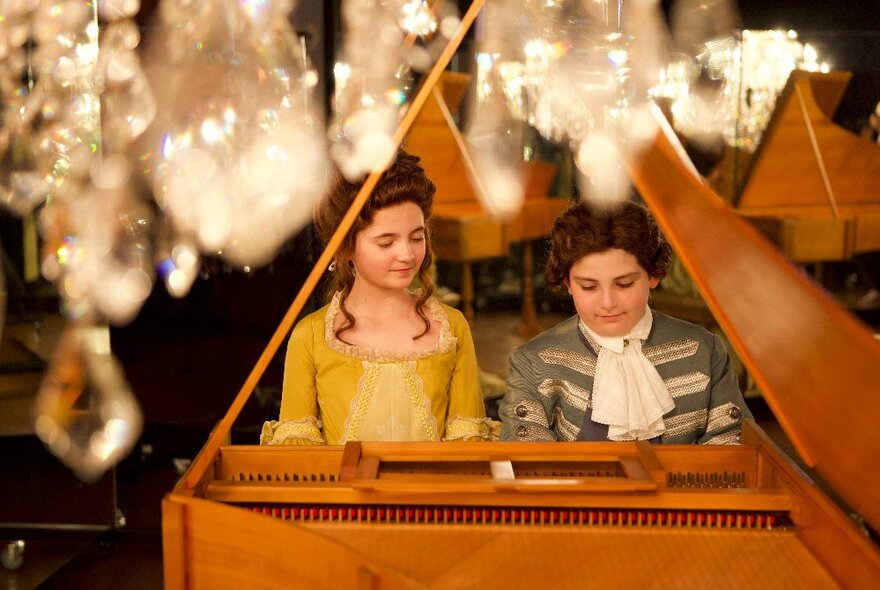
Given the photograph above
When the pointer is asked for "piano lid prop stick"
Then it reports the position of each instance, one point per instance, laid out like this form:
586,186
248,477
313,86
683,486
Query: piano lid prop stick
817,152
220,432
461,144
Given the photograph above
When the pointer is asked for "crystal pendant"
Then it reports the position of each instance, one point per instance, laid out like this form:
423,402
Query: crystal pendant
97,243
85,411
237,156
495,143
649,49
493,132
602,178
602,84
368,93
705,34
120,280
53,108
177,260
23,186
129,104
25,180
599,70
428,26
415,17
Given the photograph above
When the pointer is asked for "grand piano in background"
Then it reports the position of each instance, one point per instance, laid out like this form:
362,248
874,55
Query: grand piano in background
462,229
812,186
611,515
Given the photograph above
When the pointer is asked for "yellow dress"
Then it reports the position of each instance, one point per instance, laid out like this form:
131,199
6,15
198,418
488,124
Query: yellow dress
335,392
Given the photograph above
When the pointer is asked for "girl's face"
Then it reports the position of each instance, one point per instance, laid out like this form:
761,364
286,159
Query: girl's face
610,291
389,252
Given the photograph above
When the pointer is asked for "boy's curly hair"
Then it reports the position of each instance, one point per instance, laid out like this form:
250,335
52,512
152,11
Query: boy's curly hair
582,230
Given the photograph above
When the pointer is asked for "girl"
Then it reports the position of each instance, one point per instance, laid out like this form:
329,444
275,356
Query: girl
618,370
381,362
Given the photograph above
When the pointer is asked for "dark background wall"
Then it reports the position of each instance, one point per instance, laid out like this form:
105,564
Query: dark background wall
826,15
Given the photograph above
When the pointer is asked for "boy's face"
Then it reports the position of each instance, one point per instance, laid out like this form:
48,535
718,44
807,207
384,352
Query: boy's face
610,291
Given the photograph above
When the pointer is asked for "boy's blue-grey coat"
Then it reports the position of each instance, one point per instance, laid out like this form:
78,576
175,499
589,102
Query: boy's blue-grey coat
549,386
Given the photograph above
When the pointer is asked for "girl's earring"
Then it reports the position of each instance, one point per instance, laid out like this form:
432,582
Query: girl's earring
332,266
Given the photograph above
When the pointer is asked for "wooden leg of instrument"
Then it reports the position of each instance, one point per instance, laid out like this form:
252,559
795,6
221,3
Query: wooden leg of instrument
467,291
819,273
528,325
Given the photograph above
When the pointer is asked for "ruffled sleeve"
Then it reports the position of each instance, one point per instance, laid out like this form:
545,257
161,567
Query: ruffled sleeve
306,431
472,429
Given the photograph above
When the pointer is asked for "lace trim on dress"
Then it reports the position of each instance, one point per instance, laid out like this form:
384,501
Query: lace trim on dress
305,431
366,389
366,385
445,343
472,429
417,396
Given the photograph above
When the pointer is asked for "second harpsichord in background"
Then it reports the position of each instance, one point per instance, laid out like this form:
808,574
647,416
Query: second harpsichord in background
463,230
812,186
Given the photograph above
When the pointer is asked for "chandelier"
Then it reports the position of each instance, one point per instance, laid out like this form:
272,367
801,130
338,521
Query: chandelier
140,156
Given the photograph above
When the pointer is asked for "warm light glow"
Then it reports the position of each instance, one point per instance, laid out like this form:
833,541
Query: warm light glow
754,71
219,123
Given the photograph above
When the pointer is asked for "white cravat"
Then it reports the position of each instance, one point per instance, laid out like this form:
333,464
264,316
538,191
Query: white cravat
628,393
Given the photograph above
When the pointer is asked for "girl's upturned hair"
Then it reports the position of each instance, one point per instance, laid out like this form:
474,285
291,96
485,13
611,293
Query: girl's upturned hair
582,230
405,181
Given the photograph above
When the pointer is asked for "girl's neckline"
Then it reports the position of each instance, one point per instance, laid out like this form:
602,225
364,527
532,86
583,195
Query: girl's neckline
445,340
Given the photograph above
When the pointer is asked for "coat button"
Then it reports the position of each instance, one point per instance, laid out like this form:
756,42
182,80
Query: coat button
522,411
521,431
734,412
